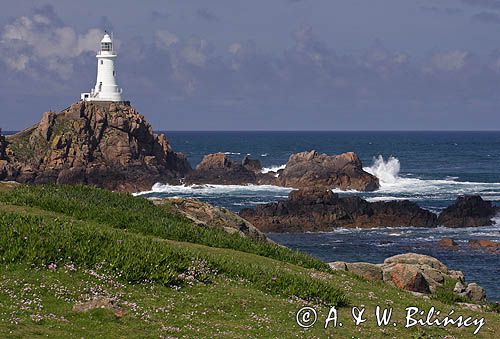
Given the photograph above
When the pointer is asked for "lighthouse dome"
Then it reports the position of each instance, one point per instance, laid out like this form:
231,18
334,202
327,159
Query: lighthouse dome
106,38
106,44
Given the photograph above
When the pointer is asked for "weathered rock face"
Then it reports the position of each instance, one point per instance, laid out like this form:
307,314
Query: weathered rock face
343,171
319,209
108,145
468,211
206,215
3,145
305,169
413,272
219,169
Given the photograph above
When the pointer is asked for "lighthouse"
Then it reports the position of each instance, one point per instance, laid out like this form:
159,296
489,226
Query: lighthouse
105,88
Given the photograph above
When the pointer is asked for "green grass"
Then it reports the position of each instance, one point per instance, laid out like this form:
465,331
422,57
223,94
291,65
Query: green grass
45,240
446,295
123,211
59,247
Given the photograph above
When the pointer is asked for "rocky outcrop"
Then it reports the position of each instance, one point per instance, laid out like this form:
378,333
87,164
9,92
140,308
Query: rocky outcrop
104,144
3,145
413,272
319,209
219,169
468,211
343,171
448,243
305,169
206,215
485,245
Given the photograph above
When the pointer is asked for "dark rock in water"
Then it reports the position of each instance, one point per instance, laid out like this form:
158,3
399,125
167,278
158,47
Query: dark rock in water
343,171
304,169
251,164
447,243
219,169
319,209
468,211
104,144
485,245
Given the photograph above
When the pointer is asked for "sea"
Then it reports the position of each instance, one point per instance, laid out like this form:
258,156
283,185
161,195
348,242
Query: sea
429,168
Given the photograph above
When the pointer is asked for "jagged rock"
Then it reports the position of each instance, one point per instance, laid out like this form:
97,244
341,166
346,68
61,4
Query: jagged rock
206,215
319,209
468,211
304,169
104,144
219,169
343,171
251,164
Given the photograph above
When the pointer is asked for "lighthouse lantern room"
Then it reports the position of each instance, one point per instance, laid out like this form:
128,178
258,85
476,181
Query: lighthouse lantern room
105,88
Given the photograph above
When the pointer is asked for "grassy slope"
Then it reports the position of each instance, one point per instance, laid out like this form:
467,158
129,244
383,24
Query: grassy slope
249,295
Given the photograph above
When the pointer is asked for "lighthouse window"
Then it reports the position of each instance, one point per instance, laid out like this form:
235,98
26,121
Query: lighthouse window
106,46
102,62
114,73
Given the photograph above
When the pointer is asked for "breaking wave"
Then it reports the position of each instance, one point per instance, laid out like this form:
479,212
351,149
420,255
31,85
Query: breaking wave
273,168
393,185
210,190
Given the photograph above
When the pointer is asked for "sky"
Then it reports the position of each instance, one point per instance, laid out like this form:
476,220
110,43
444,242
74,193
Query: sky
261,64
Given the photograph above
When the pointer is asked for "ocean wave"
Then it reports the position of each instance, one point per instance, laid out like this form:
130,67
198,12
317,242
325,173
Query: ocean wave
274,168
232,153
391,183
204,190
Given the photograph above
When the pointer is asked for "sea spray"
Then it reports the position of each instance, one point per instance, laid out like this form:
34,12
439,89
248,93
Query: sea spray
385,171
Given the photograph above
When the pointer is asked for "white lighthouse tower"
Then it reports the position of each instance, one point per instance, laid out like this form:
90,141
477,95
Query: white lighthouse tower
105,88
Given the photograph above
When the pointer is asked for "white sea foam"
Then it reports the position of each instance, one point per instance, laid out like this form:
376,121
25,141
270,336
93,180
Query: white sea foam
208,190
275,168
391,183
232,153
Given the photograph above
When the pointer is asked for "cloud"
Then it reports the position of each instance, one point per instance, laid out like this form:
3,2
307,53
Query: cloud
206,14
43,40
448,61
165,39
487,17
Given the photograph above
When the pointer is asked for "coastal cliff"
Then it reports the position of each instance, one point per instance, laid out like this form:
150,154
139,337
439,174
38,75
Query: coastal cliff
104,144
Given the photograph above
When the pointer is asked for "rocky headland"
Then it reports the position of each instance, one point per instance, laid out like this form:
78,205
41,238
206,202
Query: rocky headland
103,144
319,209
